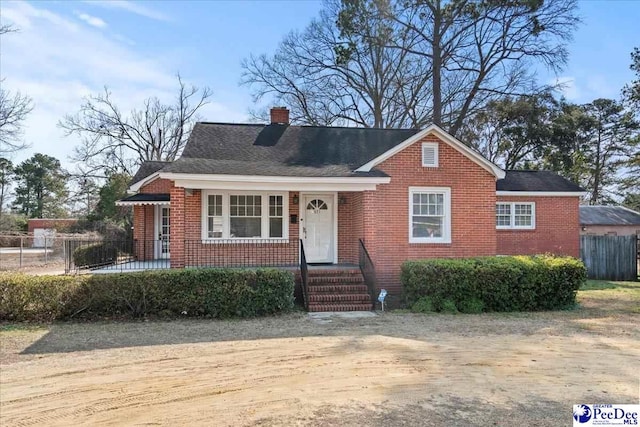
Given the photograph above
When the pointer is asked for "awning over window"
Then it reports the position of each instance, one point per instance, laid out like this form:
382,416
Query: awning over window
145,199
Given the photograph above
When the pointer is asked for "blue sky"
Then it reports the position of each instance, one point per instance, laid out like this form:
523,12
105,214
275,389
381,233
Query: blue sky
66,50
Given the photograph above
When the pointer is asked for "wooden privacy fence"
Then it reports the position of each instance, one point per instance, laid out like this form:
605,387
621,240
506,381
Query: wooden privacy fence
610,257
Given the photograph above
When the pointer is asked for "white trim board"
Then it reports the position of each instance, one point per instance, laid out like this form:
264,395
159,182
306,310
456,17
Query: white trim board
445,137
541,193
121,203
265,182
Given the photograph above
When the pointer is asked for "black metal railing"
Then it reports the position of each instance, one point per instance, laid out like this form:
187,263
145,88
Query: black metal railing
304,274
116,255
368,270
241,253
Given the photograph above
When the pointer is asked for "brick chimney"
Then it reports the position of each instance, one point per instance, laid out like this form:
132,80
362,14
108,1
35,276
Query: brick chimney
280,115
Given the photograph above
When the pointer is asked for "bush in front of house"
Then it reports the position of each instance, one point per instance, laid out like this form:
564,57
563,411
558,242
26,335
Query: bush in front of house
209,293
96,254
511,283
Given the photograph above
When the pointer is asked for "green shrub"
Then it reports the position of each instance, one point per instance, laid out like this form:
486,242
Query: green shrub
518,283
96,254
471,306
212,293
448,306
423,305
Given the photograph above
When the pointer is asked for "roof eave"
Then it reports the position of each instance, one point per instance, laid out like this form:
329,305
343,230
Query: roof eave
135,187
541,193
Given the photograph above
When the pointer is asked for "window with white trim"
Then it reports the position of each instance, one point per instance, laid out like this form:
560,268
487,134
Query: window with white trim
244,215
514,215
429,215
214,216
276,216
430,154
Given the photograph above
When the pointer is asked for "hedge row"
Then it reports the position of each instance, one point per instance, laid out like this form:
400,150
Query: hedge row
214,293
96,254
518,283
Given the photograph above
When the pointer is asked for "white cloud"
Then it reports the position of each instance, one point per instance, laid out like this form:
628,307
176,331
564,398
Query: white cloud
599,86
131,7
94,21
57,62
568,88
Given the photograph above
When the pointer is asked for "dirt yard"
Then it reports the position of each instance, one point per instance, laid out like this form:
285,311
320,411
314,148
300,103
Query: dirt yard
394,369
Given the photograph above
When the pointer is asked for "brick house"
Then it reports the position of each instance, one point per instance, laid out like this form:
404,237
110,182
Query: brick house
264,195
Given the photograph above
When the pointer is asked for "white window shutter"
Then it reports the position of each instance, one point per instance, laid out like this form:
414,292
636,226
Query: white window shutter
430,154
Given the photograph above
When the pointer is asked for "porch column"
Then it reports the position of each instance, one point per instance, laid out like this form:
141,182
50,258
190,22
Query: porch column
176,236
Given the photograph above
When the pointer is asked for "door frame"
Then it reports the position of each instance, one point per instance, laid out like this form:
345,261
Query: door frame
157,246
302,210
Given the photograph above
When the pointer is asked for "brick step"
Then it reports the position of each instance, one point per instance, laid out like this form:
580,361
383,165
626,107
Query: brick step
334,273
334,279
340,307
337,289
340,298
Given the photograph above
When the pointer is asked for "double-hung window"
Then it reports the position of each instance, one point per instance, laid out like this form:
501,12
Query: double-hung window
244,215
429,215
513,215
214,216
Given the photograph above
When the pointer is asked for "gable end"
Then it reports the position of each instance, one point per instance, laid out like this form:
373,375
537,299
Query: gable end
444,137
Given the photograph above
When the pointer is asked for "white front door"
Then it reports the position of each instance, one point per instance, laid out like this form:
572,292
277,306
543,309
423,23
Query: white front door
163,229
317,222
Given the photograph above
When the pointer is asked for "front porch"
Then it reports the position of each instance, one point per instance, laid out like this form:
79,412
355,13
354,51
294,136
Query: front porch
317,232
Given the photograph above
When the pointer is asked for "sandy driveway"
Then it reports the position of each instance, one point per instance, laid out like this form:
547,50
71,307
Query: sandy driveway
394,369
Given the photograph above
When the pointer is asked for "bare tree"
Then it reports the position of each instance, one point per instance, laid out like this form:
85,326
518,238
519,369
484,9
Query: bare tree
405,64
114,142
487,47
328,74
14,108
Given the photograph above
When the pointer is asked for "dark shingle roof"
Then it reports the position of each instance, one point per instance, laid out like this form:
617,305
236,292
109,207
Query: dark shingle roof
525,180
147,168
608,215
147,197
309,151
284,150
264,168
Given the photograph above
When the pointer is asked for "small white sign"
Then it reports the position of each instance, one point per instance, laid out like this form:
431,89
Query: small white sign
605,415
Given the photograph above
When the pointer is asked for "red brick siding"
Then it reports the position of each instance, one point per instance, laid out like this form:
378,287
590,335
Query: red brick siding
157,186
60,225
386,211
144,231
349,226
178,224
144,220
557,228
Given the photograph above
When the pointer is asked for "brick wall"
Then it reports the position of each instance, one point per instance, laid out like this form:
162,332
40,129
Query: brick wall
162,186
557,228
350,226
144,231
386,211
144,218
60,225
